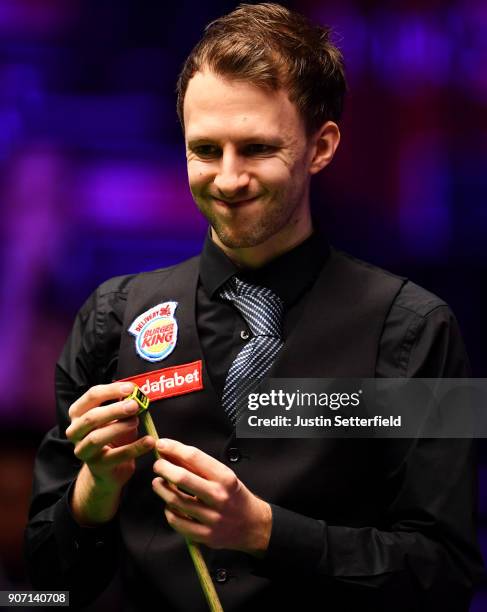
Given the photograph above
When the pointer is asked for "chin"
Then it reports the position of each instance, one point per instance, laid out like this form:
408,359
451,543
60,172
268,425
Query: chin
239,240
242,229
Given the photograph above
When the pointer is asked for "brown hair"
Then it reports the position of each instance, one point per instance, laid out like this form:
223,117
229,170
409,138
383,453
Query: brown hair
273,47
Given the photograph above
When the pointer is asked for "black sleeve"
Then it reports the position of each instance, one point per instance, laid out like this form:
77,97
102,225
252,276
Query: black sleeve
424,555
60,554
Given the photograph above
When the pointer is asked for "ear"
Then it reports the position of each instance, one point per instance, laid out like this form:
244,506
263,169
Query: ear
325,142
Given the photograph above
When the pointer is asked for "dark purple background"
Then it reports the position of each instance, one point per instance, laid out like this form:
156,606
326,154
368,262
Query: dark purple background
93,179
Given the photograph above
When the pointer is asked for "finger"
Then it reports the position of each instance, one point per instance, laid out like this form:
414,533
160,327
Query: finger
196,460
97,417
187,481
178,493
136,449
92,444
124,438
213,494
184,504
97,395
193,530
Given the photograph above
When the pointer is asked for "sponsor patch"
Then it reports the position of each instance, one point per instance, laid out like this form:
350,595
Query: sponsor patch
167,382
156,332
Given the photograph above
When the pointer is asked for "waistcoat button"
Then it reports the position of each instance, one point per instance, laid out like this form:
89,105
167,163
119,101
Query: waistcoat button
234,455
221,575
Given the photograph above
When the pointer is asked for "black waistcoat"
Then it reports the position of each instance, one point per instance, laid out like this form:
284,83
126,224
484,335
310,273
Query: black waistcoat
334,480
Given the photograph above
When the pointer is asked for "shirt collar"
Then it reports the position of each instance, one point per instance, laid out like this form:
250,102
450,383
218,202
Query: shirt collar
287,276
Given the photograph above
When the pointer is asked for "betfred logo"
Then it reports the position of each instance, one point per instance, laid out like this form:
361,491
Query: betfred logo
156,332
168,382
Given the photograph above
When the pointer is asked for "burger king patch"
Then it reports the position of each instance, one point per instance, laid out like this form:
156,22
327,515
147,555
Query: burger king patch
156,332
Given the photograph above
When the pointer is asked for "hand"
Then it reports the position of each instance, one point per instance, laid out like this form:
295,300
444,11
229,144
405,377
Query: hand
105,439
209,504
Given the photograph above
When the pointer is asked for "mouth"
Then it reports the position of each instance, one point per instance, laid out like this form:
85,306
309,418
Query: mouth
235,204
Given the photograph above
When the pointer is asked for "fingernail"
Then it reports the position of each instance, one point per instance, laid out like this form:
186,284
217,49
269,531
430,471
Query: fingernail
126,387
161,444
130,407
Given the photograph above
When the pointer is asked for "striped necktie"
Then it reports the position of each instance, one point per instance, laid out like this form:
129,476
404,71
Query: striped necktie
262,310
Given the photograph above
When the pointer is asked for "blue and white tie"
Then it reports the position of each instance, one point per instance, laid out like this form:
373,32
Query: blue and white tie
262,310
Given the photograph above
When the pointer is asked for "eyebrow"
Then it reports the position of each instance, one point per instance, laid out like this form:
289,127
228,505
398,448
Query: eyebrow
261,139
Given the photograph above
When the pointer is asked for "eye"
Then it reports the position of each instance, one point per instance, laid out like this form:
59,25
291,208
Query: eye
206,151
259,149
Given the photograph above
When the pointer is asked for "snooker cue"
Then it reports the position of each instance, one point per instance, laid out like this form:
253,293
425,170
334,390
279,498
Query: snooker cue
199,563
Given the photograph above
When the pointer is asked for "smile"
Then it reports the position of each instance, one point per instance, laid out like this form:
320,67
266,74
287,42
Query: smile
237,204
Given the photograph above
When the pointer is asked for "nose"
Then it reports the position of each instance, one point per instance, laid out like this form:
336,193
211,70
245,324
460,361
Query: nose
232,177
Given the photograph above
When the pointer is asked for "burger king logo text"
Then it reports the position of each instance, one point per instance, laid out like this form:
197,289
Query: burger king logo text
156,332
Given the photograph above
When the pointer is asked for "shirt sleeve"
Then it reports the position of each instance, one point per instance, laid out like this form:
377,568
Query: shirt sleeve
424,553
61,554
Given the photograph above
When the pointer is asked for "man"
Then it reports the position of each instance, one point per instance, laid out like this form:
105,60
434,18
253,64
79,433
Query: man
332,524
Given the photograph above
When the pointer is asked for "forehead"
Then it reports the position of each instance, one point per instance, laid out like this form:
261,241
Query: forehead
216,106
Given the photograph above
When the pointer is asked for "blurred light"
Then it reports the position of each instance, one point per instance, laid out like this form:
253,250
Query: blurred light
424,205
10,131
410,49
147,198
116,123
41,17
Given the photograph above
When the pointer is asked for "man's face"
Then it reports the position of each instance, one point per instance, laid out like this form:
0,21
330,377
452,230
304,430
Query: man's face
248,162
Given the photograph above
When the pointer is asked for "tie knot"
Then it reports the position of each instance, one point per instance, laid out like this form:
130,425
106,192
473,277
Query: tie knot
259,306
